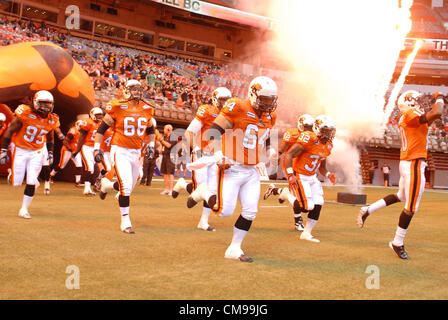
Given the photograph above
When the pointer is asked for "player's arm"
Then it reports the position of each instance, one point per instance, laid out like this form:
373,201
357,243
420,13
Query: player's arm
68,139
61,137
282,147
151,133
82,138
435,113
14,127
217,129
296,150
50,145
323,171
105,124
191,135
271,153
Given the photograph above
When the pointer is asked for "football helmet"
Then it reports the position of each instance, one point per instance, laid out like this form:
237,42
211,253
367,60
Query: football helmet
220,96
2,117
133,90
324,128
305,122
43,103
154,122
408,99
78,125
96,114
263,94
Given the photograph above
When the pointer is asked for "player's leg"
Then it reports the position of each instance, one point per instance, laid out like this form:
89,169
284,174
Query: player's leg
89,167
64,159
315,200
211,180
44,174
33,168
388,200
249,195
297,196
124,170
414,187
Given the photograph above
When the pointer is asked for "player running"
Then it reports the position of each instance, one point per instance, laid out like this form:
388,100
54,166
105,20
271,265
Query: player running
413,125
132,119
305,123
242,129
31,126
197,141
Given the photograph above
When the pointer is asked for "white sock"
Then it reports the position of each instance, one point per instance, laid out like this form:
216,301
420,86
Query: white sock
291,199
399,236
125,220
107,184
238,236
47,185
205,214
78,178
297,215
310,223
376,206
26,201
87,186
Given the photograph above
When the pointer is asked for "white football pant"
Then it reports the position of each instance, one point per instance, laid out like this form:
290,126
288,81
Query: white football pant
127,167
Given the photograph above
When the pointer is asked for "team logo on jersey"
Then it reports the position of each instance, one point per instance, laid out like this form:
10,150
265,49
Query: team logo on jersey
51,122
146,106
124,106
214,115
32,116
250,114
330,147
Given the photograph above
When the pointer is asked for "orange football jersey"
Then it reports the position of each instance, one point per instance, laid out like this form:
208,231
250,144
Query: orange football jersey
91,127
74,142
414,135
206,114
130,123
290,137
315,152
249,133
107,140
32,134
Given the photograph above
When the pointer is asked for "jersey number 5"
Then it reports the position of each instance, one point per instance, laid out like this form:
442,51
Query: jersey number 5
31,135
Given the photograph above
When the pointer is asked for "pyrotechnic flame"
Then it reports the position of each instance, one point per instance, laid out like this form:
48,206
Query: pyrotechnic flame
342,55
400,82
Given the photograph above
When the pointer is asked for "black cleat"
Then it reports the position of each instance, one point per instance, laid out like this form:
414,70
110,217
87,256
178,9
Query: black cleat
399,250
191,202
103,195
174,194
129,230
245,258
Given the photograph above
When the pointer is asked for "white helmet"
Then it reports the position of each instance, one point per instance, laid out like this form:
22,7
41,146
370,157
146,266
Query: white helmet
43,103
263,94
2,117
220,96
133,90
324,127
78,124
96,114
305,122
408,99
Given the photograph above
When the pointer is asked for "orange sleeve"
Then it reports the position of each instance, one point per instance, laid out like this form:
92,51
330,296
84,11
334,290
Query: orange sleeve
86,125
22,111
202,114
289,136
232,110
412,117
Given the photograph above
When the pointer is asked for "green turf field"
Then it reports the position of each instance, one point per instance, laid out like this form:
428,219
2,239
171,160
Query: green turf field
168,258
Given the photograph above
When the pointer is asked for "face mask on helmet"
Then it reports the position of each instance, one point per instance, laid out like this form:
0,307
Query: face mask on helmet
263,94
134,92
220,97
305,123
324,129
43,107
409,99
97,115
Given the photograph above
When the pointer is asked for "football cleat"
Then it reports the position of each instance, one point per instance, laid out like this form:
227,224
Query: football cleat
196,195
89,193
105,185
235,252
180,185
46,191
79,185
269,191
308,237
128,230
299,225
23,213
283,195
206,227
362,216
399,250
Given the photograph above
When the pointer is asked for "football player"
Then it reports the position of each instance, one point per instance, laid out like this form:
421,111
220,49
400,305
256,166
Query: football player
305,123
241,134
132,119
302,161
85,144
66,153
31,125
195,136
413,125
